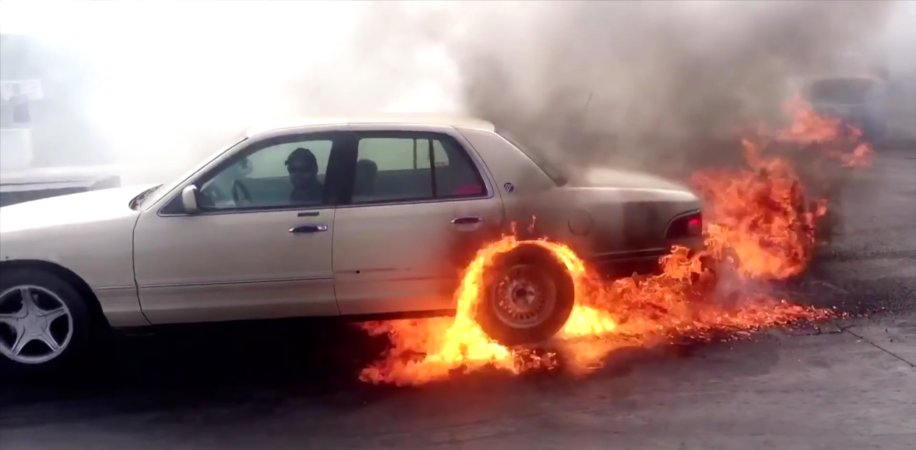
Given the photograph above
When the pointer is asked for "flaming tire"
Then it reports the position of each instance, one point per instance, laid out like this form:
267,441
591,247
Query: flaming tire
529,295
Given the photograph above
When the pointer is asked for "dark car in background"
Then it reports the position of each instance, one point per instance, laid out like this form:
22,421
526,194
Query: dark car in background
859,100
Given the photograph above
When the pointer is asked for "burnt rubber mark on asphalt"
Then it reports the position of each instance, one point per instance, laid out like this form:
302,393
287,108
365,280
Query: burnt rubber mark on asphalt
873,344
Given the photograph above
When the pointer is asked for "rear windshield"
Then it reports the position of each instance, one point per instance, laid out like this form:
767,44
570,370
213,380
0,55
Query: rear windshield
538,158
850,90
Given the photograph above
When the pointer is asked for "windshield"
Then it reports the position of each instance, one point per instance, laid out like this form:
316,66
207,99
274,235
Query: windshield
538,158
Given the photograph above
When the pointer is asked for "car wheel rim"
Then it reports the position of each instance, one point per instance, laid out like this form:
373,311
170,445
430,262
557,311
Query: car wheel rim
524,296
35,324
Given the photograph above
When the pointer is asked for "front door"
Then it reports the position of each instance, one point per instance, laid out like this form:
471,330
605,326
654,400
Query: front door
419,209
260,247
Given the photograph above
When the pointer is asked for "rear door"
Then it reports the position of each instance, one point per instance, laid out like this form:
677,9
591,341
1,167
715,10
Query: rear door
418,208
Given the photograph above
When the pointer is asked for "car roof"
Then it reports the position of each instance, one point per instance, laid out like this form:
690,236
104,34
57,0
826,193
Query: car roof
393,120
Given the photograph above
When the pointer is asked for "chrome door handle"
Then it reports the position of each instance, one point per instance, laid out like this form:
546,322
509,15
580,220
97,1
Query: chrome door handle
309,228
467,220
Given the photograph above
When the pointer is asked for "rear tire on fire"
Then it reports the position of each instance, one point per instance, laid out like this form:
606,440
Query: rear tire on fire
528,296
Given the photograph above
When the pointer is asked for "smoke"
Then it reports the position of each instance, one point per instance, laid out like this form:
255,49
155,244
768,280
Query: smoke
657,86
629,84
164,84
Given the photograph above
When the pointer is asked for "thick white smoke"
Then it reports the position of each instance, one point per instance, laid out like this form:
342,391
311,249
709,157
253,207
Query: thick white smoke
590,82
171,82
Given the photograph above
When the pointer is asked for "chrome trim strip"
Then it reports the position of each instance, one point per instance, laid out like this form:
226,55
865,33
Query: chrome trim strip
231,283
414,202
317,209
113,288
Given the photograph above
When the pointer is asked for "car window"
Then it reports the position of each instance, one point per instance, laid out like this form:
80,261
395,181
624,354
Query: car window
409,167
538,158
438,155
279,175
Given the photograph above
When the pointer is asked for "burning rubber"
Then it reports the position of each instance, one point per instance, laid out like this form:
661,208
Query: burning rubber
528,295
760,227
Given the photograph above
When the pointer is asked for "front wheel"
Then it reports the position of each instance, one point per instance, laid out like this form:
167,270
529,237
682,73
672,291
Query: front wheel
529,295
43,321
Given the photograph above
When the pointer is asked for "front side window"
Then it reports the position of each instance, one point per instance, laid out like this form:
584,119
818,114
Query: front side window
284,174
413,167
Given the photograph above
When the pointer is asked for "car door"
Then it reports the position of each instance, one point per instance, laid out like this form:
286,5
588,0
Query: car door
259,247
419,207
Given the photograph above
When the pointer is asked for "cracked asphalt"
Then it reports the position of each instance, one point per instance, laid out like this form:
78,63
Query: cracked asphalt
847,384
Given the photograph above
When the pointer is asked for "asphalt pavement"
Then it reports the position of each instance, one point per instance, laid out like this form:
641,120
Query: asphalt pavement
846,384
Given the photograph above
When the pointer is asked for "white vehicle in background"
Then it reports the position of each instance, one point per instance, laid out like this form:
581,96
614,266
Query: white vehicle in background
323,218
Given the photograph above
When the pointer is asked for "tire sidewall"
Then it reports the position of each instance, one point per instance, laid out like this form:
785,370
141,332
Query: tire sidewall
565,296
78,312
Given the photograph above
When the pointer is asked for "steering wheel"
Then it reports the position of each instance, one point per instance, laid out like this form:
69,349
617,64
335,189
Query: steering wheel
240,194
211,195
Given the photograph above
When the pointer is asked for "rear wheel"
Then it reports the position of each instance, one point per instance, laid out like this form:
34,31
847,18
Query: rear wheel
529,296
43,321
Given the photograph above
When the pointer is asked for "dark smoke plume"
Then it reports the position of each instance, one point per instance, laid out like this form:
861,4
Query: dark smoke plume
656,86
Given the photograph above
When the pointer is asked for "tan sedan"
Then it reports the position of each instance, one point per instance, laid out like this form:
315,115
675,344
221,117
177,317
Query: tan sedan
324,218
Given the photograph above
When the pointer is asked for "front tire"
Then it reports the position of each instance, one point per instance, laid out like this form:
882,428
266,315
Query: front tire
529,295
44,322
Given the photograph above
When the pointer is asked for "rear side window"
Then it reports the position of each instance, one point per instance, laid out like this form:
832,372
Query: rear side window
394,167
537,157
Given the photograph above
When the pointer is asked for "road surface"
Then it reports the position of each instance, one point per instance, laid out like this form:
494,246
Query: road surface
847,384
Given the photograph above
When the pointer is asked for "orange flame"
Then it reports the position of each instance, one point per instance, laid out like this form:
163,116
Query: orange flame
760,224
835,140
761,218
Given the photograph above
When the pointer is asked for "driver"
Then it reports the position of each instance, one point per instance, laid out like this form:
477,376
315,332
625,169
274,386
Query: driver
303,174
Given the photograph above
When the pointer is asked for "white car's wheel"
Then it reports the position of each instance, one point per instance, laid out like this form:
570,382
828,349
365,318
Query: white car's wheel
43,320
529,296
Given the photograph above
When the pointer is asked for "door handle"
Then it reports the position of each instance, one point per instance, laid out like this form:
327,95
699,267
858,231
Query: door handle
309,228
467,220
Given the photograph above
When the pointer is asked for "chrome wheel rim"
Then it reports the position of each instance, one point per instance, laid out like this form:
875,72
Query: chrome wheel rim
524,296
35,324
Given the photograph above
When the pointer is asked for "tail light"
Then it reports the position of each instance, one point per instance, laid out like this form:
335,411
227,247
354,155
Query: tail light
686,226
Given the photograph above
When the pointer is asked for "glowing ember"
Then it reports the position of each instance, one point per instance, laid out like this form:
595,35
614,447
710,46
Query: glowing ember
760,225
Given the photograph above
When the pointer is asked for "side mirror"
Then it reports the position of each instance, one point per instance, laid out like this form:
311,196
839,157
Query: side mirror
189,199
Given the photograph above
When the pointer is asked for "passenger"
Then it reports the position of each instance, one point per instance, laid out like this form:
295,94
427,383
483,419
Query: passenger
303,174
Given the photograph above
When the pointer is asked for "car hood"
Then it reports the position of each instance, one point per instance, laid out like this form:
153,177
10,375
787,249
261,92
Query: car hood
624,179
73,209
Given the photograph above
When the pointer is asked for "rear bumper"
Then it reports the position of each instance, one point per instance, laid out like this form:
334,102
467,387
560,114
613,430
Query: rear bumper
621,264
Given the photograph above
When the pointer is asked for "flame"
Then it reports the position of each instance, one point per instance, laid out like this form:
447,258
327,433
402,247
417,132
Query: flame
760,225
830,136
463,344
760,218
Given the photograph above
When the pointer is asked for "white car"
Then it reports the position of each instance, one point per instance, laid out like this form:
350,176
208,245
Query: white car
323,218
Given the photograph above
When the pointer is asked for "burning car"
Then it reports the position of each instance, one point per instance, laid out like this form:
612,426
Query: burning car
355,217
